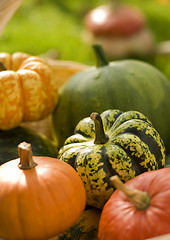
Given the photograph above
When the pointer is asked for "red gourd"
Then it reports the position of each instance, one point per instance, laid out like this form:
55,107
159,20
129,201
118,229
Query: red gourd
140,209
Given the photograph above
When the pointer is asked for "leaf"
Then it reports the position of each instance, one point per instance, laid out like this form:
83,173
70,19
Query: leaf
7,9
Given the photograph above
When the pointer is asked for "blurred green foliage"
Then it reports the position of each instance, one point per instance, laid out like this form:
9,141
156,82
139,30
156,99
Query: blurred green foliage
40,25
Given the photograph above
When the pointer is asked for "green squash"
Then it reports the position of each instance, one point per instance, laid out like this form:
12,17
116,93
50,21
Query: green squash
86,228
125,85
9,141
167,161
119,143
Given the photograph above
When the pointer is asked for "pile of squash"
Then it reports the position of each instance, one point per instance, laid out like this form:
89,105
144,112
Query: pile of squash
125,85
101,173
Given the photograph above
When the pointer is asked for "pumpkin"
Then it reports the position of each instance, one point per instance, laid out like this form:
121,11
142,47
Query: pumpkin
139,209
86,228
115,142
9,140
40,196
27,89
125,85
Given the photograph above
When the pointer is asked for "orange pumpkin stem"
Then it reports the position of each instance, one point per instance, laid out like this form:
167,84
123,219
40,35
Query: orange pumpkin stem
25,155
139,198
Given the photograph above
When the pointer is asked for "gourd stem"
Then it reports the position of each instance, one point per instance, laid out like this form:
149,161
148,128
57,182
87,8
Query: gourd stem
101,58
101,137
139,198
25,155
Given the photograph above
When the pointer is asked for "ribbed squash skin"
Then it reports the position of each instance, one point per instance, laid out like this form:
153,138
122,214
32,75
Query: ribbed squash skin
134,147
28,90
9,141
125,85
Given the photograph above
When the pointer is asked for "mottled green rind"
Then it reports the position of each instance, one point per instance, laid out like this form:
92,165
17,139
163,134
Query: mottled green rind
134,147
125,85
86,227
167,161
9,140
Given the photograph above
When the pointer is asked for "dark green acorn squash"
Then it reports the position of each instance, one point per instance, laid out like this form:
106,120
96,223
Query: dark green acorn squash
119,143
9,141
125,85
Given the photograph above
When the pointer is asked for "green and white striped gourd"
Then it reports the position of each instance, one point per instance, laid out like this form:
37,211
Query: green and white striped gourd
115,142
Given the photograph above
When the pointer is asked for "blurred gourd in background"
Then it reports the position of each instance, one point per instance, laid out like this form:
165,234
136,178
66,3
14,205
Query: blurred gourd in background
128,30
122,30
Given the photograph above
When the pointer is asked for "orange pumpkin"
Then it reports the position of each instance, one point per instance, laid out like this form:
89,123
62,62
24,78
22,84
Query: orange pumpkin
28,90
140,209
40,197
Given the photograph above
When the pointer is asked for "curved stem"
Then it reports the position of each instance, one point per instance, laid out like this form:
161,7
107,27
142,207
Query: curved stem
101,57
101,137
139,198
25,155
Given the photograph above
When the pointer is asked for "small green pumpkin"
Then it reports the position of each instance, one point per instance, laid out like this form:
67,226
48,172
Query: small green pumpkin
126,85
10,139
115,142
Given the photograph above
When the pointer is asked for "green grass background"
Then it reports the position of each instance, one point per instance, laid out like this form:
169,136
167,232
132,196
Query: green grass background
40,25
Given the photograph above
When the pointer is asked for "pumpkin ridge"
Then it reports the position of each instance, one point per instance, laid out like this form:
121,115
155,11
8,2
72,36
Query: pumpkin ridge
36,195
145,136
10,95
153,146
82,133
109,120
135,153
22,95
20,222
72,157
136,166
48,102
129,115
52,197
107,166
